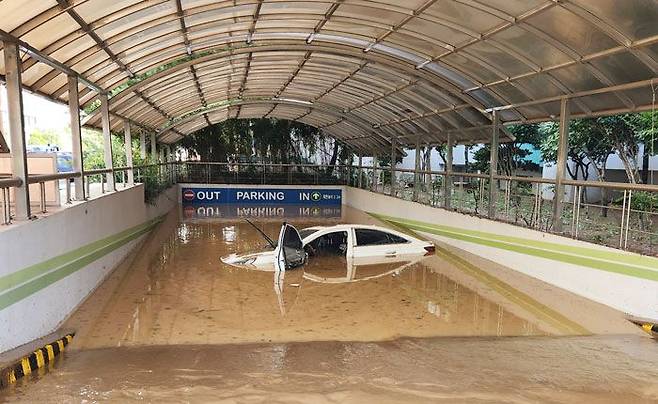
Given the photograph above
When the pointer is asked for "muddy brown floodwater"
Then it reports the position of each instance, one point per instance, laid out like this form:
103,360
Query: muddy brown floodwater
175,324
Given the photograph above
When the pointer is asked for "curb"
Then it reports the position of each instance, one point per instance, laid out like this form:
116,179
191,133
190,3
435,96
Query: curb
32,362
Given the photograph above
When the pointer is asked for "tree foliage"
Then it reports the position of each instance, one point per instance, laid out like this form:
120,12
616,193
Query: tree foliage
512,156
593,140
265,140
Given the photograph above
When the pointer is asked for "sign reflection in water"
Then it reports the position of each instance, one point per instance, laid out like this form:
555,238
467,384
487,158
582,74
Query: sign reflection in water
265,212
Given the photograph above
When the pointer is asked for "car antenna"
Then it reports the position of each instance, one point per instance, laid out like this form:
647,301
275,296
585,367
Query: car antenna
269,240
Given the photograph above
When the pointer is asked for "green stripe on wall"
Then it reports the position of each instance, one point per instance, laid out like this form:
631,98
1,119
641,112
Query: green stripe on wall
519,298
626,264
36,277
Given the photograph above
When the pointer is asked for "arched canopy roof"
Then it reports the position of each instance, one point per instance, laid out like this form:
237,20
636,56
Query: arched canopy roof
363,70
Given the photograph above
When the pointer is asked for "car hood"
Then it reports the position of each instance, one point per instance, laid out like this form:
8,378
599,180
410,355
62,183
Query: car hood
260,260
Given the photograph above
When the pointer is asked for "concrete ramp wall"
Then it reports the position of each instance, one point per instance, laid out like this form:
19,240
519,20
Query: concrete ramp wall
50,265
625,281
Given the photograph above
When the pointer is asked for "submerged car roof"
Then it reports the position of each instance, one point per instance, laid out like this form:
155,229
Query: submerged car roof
345,226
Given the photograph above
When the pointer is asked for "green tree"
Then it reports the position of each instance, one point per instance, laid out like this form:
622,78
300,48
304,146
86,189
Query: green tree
44,137
512,156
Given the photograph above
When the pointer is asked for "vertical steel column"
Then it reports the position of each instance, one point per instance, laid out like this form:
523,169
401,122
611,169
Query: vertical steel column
76,137
128,145
393,159
142,145
428,167
417,171
373,186
493,164
17,129
107,141
447,185
154,151
360,172
563,143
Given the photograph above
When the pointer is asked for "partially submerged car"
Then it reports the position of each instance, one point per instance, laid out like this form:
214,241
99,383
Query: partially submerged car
359,244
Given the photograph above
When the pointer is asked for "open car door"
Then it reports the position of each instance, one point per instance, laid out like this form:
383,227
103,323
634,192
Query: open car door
289,252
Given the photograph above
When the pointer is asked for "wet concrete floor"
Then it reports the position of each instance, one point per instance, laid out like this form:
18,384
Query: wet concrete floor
174,324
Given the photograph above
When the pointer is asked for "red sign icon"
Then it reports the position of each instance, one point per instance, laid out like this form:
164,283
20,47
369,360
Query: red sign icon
188,195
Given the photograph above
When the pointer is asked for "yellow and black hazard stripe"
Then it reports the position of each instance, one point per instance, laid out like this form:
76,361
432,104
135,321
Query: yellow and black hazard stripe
652,329
37,359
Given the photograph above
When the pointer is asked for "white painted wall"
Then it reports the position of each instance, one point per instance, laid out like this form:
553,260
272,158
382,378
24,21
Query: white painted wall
26,244
638,297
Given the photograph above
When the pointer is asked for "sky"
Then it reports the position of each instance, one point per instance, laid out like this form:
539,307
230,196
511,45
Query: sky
40,113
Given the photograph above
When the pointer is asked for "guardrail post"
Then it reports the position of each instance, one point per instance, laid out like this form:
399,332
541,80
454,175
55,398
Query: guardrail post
373,186
142,145
6,206
360,172
107,141
493,165
428,168
563,143
447,183
128,146
17,128
68,190
154,152
42,196
393,160
76,137
417,171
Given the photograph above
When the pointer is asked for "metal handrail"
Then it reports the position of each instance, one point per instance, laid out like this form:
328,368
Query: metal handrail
10,182
39,178
613,185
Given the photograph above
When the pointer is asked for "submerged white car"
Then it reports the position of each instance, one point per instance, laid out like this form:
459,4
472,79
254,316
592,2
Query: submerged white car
359,244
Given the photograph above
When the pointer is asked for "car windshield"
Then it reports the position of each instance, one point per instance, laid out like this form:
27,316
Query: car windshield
306,232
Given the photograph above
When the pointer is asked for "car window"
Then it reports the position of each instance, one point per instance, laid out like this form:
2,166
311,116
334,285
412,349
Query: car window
306,232
291,238
375,237
330,244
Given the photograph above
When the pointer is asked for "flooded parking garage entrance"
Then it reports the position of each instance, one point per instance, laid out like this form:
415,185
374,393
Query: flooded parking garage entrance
175,323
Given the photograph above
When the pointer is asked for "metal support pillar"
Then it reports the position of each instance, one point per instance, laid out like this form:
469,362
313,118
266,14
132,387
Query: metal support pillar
563,144
393,160
374,173
128,145
17,129
447,185
76,137
107,141
428,167
360,172
493,164
417,171
154,151
142,145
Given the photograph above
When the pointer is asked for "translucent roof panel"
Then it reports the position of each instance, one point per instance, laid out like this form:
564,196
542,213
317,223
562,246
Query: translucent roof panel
363,70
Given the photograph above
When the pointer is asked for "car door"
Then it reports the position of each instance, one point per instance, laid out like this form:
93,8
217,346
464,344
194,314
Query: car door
372,246
289,252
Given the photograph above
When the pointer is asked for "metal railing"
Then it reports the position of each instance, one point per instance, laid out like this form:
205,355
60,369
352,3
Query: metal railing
155,177
618,215
262,173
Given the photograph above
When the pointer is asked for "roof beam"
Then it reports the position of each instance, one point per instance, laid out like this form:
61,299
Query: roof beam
45,59
401,24
66,6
